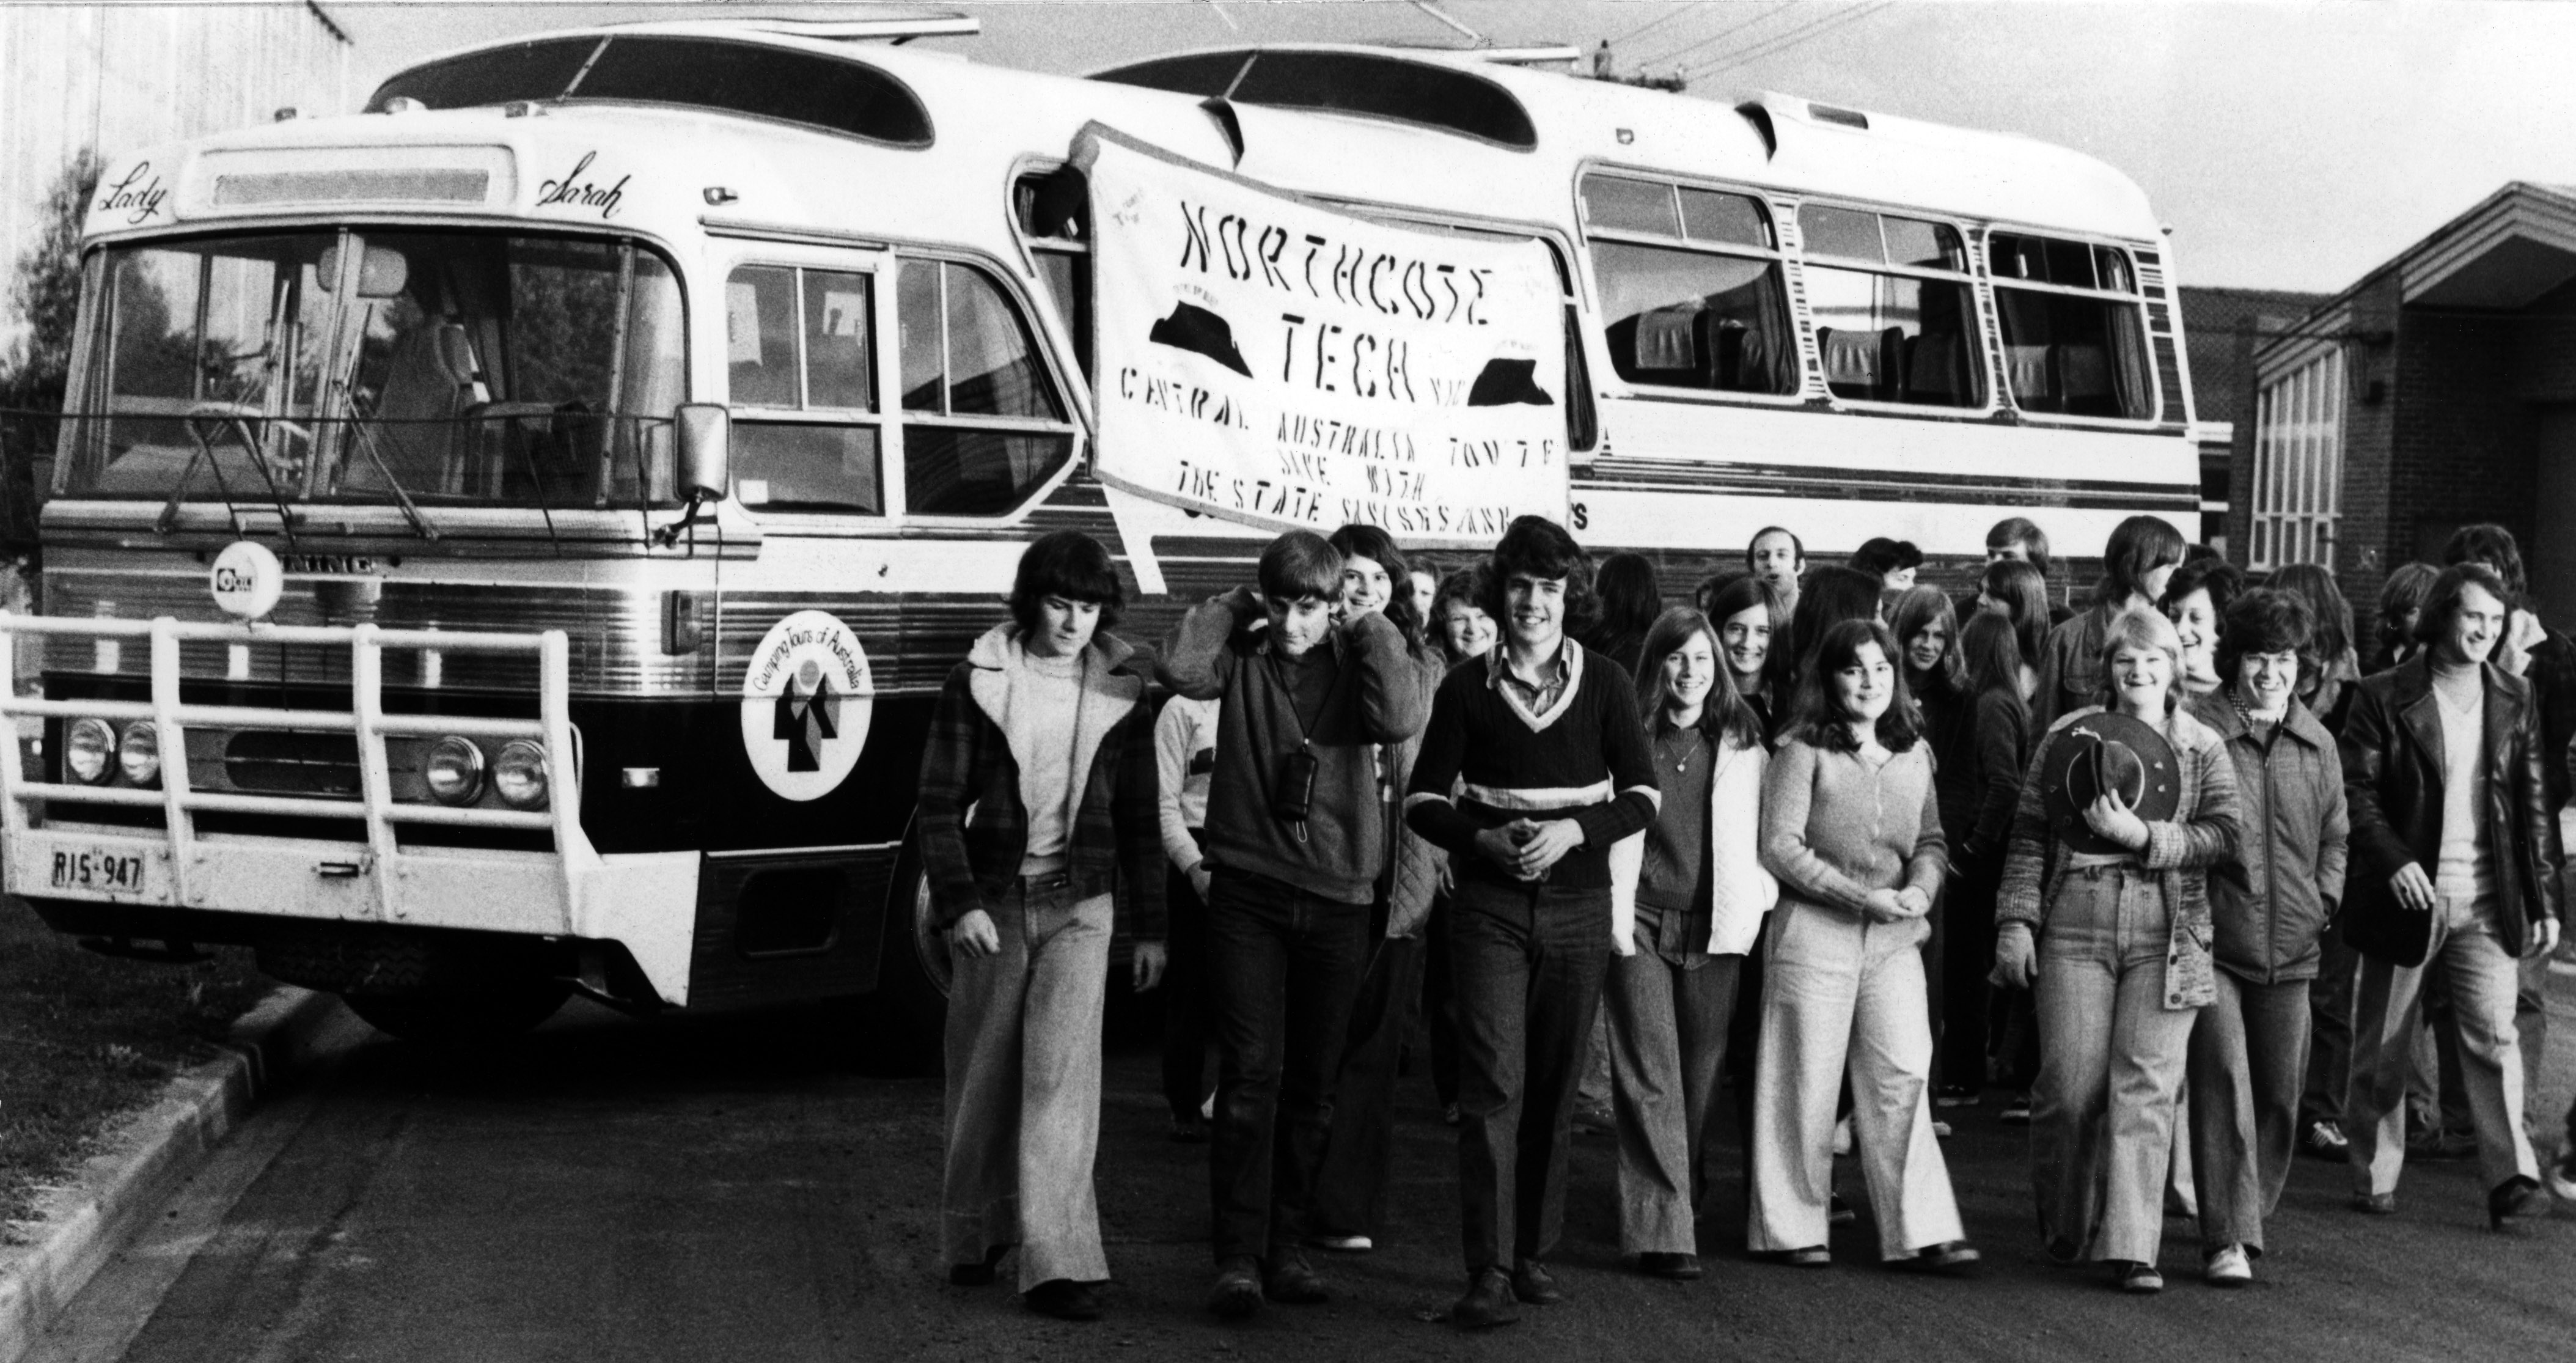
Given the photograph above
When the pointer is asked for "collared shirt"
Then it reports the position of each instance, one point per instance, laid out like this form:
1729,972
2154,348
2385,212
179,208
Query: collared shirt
1537,699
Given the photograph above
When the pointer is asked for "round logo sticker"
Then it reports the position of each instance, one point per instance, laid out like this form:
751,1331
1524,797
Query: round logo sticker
805,705
246,580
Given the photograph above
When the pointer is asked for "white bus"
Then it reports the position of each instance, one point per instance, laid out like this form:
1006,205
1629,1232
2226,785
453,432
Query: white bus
646,418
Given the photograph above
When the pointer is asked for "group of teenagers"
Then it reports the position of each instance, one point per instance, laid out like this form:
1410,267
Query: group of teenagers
1794,835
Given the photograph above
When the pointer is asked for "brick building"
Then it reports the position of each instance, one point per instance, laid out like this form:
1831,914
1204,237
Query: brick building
2222,328
2438,390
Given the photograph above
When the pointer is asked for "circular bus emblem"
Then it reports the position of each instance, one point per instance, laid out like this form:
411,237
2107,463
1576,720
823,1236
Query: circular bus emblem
246,580
805,704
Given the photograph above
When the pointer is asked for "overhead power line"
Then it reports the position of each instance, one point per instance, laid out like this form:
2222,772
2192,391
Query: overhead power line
1796,37
1667,17
1724,33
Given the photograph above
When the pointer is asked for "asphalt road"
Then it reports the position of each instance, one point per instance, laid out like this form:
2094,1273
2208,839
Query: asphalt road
694,1190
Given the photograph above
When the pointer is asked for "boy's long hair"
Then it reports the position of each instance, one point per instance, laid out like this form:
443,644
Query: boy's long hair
1725,715
1069,564
1535,546
1992,652
2139,546
1822,720
1301,564
2024,591
1916,609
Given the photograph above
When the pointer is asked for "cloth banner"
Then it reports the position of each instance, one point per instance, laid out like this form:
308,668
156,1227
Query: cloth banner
1272,362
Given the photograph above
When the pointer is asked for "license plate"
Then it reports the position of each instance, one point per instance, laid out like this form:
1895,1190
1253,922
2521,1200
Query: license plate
107,870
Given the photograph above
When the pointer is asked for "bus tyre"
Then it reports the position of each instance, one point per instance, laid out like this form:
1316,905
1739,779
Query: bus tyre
907,1017
475,1016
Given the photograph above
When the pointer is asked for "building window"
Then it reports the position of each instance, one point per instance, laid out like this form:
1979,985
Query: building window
2298,466
1690,287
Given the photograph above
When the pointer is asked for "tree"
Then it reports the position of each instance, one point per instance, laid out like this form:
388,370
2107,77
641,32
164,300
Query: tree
45,290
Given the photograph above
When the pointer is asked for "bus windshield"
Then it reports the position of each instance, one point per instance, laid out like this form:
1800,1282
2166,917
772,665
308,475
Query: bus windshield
348,365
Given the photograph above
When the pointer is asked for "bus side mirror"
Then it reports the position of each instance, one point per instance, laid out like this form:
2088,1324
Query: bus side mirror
705,430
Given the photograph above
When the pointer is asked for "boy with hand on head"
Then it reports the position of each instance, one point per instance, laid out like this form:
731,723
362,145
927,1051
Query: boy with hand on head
1295,838
1550,766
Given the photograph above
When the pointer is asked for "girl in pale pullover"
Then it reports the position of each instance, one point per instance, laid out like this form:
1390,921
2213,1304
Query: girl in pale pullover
1851,828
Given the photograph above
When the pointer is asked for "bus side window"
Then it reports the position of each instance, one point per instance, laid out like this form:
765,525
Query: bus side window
1054,215
2074,331
1691,291
799,347
1896,316
983,427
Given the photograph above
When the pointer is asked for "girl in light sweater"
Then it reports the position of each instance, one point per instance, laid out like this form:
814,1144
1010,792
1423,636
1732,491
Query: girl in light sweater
1850,827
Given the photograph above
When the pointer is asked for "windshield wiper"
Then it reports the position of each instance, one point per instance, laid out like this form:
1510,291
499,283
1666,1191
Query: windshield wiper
204,453
367,445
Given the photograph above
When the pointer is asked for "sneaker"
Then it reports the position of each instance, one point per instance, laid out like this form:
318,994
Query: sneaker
2016,1110
2561,1176
1450,1116
1956,1095
1600,1121
2325,1140
1292,1281
1489,1302
1064,1299
2128,1275
1843,1137
1341,1244
1237,1291
1950,1256
2229,1267
1940,1129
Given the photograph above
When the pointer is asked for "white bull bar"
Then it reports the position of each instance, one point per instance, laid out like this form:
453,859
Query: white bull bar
645,901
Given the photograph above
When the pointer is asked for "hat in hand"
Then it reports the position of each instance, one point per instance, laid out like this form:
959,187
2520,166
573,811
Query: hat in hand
2108,752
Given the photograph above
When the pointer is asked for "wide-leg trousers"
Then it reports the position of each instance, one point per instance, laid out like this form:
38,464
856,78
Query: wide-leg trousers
1668,1025
1022,1105
2388,1006
1841,989
2248,1064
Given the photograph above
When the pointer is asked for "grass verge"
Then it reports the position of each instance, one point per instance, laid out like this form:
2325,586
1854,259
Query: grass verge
85,1038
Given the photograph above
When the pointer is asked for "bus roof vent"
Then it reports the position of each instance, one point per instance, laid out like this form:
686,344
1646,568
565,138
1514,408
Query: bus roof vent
1367,84
1849,118
835,94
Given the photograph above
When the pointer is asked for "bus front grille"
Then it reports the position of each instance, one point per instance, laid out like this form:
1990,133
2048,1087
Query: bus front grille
293,762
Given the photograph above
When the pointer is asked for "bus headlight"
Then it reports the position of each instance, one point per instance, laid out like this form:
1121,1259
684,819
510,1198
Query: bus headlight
453,771
87,746
519,774
138,754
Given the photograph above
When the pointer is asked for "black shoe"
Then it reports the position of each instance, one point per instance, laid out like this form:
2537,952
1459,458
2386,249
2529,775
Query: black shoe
1237,1292
1680,1268
1064,1299
1950,1256
1189,1130
1532,1284
1292,1281
1488,1302
2515,1198
1956,1095
977,1275
1839,1212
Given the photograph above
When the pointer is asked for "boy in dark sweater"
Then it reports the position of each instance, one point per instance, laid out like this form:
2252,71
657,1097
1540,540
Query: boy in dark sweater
1541,741
1296,836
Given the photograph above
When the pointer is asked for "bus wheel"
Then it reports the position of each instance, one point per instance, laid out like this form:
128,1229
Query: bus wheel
907,1017
484,1016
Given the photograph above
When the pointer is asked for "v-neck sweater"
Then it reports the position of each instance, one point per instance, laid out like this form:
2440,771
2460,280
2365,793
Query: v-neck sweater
1486,762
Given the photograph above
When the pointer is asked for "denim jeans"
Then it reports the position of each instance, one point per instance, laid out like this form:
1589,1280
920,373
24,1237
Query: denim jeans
1844,995
1350,1185
1185,998
1668,1025
1527,963
2249,1060
1283,965
2111,1063
1023,1099
2388,1005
